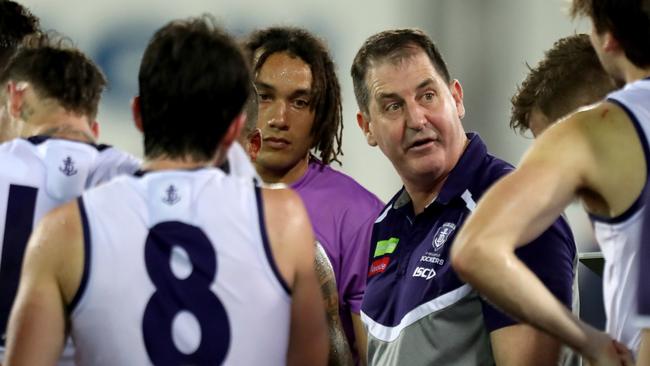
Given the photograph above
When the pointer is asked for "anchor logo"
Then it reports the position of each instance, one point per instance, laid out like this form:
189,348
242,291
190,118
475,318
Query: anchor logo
172,196
68,167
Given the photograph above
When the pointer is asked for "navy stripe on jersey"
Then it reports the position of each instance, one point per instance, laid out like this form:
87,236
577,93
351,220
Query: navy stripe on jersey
638,203
18,227
265,239
84,276
39,139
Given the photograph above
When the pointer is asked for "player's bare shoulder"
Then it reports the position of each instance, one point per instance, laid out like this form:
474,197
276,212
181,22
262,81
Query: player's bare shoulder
284,204
290,232
58,239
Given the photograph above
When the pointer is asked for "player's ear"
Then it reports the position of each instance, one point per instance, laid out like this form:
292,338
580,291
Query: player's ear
254,143
610,43
135,110
94,128
16,97
363,120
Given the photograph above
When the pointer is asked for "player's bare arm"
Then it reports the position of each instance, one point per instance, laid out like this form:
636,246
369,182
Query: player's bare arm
362,338
572,159
339,353
292,242
50,278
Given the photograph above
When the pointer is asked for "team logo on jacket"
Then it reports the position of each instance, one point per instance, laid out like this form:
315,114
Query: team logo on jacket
442,234
68,167
171,195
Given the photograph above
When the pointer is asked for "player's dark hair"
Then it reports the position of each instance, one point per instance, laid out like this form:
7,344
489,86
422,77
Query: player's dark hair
57,71
15,23
194,81
628,20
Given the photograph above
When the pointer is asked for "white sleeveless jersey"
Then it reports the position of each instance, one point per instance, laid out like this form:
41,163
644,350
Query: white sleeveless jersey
619,237
178,270
37,175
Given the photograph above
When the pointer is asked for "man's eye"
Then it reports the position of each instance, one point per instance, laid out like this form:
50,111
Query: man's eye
300,103
393,107
262,97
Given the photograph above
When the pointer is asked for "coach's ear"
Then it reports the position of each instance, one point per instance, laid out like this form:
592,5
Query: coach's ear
363,120
135,110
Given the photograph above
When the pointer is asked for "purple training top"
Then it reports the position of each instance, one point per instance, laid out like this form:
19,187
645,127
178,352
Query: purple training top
342,213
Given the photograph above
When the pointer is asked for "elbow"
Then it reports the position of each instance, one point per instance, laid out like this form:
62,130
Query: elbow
467,255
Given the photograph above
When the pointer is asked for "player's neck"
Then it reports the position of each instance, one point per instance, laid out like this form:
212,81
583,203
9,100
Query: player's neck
61,124
633,74
165,163
287,177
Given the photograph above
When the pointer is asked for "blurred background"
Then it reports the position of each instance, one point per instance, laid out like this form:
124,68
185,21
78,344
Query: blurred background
486,43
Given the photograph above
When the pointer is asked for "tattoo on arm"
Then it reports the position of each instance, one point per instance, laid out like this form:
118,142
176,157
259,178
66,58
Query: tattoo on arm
339,349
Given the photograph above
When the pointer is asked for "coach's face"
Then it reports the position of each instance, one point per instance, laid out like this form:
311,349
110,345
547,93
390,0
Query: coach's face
414,117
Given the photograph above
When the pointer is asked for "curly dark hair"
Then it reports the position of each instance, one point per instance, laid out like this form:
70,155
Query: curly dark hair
15,23
568,76
628,20
59,71
327,129
194,80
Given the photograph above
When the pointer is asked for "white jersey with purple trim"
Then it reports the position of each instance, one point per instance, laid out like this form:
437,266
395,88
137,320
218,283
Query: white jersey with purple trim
39,174
178,270
619,237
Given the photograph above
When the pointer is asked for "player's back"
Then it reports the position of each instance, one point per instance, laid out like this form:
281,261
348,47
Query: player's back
619,237
37,175
178,270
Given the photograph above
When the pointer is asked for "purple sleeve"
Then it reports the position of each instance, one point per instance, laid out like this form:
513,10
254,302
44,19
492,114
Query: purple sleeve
644,272
551,257
354,262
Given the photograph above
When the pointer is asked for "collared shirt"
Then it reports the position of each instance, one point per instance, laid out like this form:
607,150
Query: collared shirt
417,310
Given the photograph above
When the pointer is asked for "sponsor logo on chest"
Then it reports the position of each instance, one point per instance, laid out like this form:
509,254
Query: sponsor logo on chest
378,266
426,273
